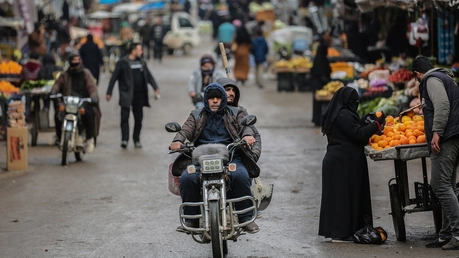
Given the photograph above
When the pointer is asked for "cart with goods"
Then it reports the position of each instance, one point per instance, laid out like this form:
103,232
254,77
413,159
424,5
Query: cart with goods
37,93
403,140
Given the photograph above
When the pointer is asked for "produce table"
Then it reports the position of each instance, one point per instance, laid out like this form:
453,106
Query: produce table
399,191
290,78
38,117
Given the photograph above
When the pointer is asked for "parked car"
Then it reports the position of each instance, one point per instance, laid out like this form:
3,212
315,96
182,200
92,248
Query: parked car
182,33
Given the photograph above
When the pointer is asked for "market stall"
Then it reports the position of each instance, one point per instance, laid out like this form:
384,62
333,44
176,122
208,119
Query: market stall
291,74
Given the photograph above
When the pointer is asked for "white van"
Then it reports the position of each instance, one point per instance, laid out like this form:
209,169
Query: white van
183,33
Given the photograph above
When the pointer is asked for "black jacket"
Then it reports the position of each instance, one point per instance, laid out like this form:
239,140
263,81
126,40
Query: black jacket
452,90
123,74
92,58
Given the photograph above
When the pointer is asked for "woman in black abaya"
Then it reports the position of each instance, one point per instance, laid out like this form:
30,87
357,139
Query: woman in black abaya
320,75
346,202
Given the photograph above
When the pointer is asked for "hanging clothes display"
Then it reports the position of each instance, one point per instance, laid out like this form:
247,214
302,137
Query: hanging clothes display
445,25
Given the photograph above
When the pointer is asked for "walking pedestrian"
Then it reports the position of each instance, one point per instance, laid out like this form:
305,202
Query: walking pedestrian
440,106
158,36
92,58
145,32
346,202
133,77
243,43
259,51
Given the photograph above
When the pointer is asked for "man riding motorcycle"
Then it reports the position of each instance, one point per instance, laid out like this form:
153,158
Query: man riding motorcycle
78,81
202,77
218,123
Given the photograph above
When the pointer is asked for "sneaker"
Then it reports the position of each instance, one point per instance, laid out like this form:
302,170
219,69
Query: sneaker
187,224
437,243
90,145
137,145
251,228
453,244
124,144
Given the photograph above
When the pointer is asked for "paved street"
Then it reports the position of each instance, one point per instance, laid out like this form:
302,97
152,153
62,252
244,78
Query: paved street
116,203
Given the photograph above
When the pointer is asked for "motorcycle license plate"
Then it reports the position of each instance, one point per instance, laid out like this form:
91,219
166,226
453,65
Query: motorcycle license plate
214,182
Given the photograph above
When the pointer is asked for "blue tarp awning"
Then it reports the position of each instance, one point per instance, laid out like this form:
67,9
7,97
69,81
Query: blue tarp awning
108,1
152,6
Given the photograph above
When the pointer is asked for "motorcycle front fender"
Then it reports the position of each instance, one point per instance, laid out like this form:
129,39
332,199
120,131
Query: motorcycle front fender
213,195
69,123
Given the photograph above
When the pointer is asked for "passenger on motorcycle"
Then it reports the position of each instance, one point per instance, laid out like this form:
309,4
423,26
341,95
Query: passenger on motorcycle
218,123
233,94
201,78
78,81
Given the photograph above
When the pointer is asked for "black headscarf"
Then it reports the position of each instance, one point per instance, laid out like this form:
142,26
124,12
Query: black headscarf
347,98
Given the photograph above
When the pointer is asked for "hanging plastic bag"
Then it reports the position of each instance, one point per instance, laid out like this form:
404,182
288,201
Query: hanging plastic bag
370,235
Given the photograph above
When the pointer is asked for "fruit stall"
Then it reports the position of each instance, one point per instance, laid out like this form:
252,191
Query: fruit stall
292,74
402,140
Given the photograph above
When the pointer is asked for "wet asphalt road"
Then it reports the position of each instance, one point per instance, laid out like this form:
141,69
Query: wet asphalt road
116,203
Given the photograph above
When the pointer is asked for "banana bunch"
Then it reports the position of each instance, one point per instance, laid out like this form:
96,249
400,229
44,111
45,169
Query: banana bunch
284,64
301,62
333,86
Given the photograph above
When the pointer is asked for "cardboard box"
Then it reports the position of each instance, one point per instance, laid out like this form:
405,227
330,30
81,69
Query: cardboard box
16,149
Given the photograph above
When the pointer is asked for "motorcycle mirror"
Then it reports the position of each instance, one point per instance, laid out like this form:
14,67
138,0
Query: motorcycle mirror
249,120
173,127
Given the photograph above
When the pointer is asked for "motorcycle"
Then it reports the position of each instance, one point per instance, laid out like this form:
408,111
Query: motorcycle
218,220
73,131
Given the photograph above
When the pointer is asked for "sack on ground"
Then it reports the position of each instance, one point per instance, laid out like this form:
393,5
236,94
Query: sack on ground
370,235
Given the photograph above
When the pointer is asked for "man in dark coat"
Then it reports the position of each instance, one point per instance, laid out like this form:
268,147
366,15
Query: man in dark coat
346,201
133,77
92,57
440,106
217,123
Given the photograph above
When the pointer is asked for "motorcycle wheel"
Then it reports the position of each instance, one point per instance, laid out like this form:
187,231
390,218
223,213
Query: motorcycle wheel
65,148
215,234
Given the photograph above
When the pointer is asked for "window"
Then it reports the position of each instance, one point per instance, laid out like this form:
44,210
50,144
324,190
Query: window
185,23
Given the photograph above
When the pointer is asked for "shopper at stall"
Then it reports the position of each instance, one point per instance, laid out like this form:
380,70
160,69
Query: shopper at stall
92,58
346,201
320,75
37,40
440,98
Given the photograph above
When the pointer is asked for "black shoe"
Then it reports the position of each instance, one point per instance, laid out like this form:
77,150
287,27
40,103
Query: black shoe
437,243
124,144
452,244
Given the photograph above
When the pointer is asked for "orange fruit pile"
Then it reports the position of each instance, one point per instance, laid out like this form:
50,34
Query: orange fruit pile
408,130
10,67
7,87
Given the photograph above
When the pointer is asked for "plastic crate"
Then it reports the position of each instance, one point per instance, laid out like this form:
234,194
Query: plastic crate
303,83
285,82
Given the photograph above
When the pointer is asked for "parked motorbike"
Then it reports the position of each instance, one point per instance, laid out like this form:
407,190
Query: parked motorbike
218,220
73,131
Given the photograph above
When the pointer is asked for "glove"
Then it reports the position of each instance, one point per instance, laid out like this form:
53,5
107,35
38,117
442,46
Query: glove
368,118
94,101
380,117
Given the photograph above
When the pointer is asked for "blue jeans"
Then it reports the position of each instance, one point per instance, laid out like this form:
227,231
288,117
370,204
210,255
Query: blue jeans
239,186
443,182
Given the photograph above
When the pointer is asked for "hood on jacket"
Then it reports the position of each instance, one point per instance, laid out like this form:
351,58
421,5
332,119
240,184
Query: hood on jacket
32,65
227,82
215,86
442,70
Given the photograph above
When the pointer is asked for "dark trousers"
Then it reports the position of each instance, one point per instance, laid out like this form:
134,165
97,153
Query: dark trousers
316,111
239,186
88,121
158,50
137,110
146,49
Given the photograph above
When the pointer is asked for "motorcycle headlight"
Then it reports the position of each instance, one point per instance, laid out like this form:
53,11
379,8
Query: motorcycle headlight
71,108
212,165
